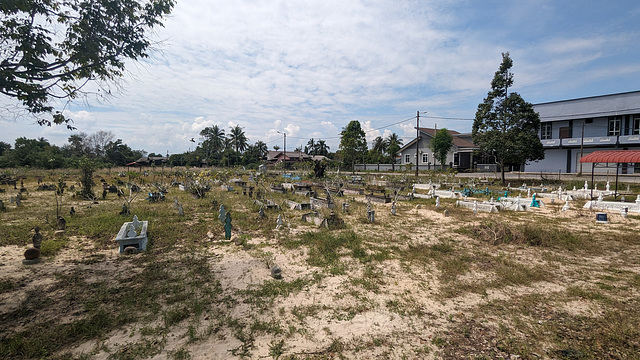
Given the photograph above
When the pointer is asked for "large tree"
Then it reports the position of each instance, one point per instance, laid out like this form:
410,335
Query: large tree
441,144
353,143
506,127
50,49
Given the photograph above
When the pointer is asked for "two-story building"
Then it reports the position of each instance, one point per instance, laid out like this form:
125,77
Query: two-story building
574,128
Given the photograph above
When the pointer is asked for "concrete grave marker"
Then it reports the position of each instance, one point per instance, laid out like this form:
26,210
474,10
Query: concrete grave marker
36,240
227,226
222,214
131,241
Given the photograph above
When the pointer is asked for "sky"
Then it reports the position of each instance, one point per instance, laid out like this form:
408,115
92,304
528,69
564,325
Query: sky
308,68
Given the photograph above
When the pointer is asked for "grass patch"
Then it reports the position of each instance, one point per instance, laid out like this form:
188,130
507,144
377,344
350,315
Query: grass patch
326,248
496,233
52,247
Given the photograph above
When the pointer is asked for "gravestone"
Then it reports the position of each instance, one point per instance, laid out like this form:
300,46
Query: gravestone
475,207
393,207
261,211
62,223
534,203
18,200
438,201
624,212
446,213
345,207
566,206
227,226
37,238
222,214
279,222
131,231
180,210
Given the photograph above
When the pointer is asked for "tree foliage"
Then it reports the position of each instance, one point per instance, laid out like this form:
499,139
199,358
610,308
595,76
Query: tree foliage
506,126
50,49
353,143
441,144
316,147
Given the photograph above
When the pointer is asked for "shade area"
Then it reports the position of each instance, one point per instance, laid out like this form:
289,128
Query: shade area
612,156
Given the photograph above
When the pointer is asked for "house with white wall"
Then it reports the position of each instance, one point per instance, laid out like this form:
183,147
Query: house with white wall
574,128
460,156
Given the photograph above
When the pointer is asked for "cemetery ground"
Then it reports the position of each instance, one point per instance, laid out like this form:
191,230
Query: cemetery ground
542,284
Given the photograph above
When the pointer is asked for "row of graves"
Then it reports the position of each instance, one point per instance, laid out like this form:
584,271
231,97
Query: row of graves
526,198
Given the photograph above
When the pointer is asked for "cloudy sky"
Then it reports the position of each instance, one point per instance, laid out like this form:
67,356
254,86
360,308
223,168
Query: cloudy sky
307,68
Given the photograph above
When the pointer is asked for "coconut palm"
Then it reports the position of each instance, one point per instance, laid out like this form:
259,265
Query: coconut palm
214,141
322,148
237,139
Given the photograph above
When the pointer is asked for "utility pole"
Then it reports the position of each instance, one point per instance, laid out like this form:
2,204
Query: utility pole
581,145
284,157
417,138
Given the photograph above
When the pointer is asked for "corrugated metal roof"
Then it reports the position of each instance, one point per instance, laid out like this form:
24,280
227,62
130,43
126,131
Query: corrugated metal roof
612,157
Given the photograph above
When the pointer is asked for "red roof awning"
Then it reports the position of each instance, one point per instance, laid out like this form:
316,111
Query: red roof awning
612,156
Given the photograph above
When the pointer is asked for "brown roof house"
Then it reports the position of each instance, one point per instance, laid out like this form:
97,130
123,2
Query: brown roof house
460,157
277,156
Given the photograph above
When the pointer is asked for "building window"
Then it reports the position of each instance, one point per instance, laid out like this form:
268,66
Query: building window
425,158
456,159
546,131
636,125
407,159
614,126
564,132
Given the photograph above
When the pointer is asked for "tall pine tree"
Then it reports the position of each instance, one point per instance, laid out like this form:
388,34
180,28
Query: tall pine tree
506,127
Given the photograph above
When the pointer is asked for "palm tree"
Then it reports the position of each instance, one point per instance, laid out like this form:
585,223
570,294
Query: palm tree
380,145
261,148
237,138
311,147
394,143
214,141
322,148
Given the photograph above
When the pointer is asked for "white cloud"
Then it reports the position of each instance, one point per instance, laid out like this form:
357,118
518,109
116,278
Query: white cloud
308,68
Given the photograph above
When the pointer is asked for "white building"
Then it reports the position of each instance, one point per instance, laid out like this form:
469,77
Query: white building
574,128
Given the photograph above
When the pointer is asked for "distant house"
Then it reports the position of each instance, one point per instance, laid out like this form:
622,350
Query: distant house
276,156
149,160
460,156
